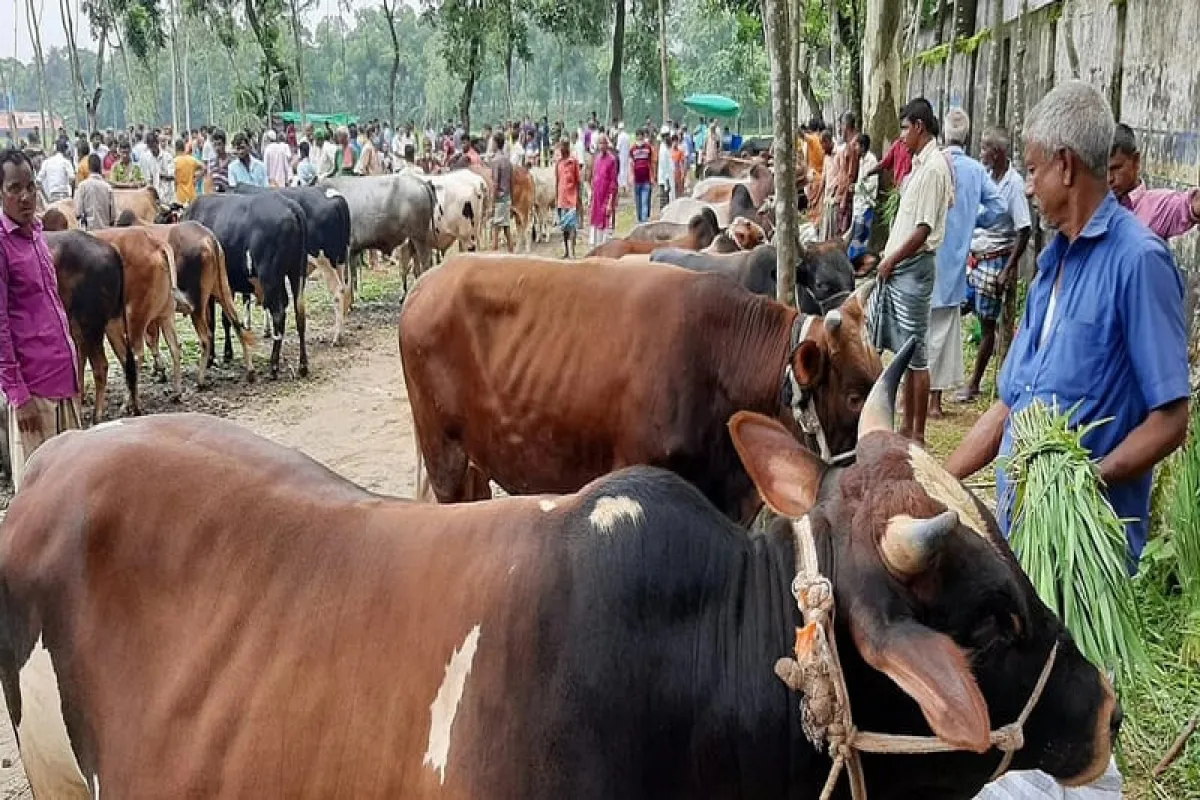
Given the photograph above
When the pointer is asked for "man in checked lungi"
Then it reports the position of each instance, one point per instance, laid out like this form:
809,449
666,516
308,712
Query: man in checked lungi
996,252
899,307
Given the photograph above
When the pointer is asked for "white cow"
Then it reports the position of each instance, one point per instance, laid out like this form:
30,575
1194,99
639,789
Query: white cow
458,216
544,198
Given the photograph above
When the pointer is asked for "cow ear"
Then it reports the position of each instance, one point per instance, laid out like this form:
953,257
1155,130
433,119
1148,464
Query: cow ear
931,669
807,363
786,475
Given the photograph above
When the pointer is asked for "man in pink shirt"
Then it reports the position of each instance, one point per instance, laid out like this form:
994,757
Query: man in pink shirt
37,357
1165,211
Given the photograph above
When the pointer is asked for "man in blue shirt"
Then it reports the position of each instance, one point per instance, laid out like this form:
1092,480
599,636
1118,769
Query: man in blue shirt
246,168
977,203
1104,321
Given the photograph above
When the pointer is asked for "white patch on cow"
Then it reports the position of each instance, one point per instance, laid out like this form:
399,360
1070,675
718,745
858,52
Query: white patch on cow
609,511
249,263
95,786
943,487
445,704
332,193
515,438
44,745
547,505
105,426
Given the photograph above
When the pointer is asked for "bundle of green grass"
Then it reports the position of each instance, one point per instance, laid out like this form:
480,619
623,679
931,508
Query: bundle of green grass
1070,541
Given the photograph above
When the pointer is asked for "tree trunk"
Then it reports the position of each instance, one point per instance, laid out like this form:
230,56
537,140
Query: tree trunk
910,45
187,86
615,99
171,13
508,66
883,78
68,21
664,62
388,12
464,103
12,115
835,62
1068,26
777,22
948,82
804,78
796,51
852,36
1004,334
130,95
35,26
1118,70
996,45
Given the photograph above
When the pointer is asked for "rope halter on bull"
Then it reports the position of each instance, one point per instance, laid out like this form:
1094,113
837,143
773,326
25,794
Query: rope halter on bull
816,671
800,399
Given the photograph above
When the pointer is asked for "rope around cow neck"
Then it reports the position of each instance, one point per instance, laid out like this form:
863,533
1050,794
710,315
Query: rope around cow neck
816,673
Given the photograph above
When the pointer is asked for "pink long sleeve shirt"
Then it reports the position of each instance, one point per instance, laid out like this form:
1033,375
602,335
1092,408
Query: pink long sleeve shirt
1166,212
37,356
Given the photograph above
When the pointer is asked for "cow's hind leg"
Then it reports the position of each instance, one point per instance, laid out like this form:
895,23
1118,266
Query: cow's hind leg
452,476
168,329
277,319
158,371
99,363
296,282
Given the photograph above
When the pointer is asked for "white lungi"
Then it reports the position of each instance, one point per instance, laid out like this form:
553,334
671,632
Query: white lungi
944,346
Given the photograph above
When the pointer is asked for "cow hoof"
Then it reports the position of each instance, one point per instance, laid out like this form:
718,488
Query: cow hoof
275,374
304,370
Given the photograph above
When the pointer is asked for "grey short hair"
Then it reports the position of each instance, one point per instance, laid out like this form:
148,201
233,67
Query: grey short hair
957,126
998,139
1076,117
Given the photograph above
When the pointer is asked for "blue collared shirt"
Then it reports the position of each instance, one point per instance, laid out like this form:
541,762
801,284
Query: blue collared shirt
1117,344
256,174
977,204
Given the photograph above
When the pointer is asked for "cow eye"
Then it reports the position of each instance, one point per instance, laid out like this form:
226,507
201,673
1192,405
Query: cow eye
996,629
855,401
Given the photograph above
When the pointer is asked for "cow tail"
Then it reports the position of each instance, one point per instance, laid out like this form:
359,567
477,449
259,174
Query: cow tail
225,298
130,363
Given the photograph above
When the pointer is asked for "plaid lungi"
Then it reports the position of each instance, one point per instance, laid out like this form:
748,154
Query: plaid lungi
56,416
983,276
899,308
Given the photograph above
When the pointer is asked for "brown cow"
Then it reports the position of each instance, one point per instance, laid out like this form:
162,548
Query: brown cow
91,284
61,215
729,167
760,182
542,378
289,635
701,231
150,296
141,203
522,208
203,278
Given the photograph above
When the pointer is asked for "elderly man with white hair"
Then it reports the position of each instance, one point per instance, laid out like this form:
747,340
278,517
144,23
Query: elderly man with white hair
977,203
277,157
1103,332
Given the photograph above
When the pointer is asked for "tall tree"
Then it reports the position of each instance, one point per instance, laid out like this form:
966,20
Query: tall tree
33,21
664,59
78,88
292,5
777,22
616,100
883,76
464,26
994,64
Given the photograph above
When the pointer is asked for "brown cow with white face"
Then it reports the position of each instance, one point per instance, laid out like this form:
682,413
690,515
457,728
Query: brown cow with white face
543,375
295,636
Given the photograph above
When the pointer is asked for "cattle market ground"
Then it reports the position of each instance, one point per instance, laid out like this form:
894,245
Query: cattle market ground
352,415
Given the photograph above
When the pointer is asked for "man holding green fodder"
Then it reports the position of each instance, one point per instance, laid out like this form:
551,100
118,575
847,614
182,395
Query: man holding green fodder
1103,331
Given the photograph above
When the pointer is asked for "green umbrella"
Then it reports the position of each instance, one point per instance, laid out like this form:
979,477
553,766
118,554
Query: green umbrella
712,105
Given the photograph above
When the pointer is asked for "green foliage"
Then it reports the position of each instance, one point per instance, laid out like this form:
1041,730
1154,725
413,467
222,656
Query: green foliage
1069,540
941,53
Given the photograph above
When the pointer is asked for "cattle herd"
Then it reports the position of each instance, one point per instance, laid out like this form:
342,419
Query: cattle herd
611,632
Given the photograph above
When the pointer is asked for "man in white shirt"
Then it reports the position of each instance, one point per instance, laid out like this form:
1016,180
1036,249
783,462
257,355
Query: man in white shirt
140,149
865,194
665,179
624,177
278,158
57,175
327,159
899,307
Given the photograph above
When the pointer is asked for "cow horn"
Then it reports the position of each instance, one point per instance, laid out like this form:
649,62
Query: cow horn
833,320
863,293
908,544
879,411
